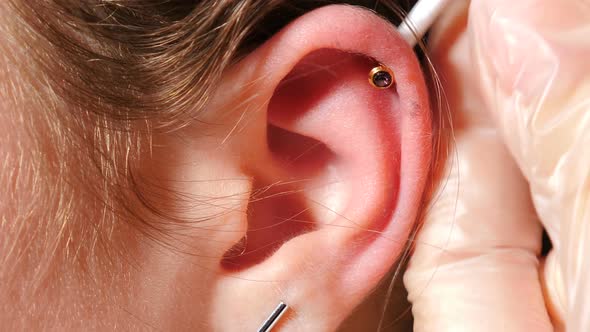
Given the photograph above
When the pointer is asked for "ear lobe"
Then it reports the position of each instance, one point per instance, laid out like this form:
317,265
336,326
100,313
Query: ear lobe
352,160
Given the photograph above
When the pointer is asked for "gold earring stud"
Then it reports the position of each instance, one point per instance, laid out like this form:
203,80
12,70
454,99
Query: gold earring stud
381,77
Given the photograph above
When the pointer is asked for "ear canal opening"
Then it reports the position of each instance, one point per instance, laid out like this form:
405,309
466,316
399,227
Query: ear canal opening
277,212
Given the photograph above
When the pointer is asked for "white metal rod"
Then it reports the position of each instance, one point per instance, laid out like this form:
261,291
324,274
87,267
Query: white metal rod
420,18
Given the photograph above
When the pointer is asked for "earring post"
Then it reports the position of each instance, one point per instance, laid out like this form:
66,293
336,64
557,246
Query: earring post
274,317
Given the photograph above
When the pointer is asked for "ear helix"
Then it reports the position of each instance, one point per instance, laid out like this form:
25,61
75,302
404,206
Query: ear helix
414,26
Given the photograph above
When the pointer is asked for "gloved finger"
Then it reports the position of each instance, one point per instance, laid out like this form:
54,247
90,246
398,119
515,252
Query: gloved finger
475,265
533,61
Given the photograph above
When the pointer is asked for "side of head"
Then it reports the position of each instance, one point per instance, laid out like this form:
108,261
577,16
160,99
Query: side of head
188,166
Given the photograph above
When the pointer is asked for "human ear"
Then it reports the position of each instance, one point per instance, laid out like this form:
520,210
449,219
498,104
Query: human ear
334,170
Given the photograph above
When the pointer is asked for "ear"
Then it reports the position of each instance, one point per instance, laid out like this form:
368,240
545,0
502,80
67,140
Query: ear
339,166
336,169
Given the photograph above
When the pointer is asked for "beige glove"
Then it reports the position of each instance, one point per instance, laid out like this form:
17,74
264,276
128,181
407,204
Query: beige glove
525,64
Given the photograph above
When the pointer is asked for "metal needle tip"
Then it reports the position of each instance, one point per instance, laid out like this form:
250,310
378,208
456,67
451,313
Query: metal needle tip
274,317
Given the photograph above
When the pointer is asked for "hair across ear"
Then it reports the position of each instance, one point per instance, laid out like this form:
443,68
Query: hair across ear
336,168
342,165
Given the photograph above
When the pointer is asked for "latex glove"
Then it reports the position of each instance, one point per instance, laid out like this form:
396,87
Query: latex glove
533,58
475,267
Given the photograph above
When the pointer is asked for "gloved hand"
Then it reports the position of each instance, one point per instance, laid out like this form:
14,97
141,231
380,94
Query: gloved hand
522,67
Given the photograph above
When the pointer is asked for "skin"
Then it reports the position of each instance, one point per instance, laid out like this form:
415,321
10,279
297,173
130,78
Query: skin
350,205
353,199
